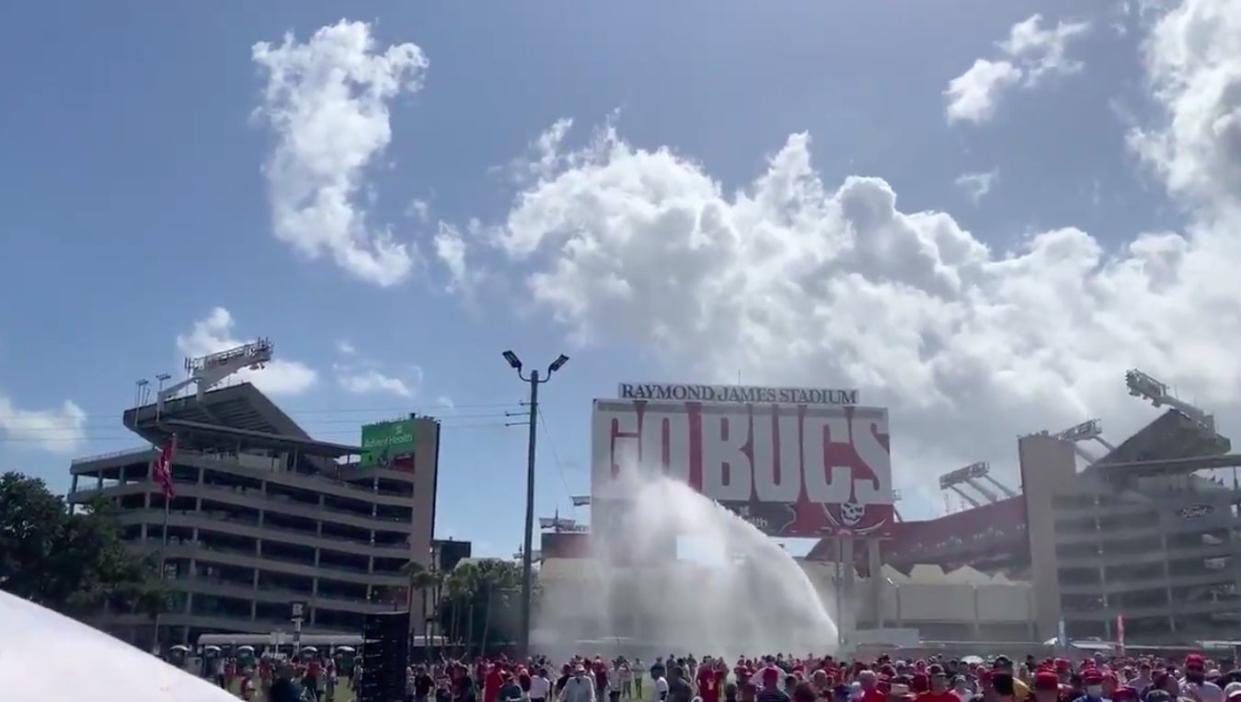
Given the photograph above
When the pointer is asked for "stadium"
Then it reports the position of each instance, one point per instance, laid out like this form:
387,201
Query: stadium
1124,544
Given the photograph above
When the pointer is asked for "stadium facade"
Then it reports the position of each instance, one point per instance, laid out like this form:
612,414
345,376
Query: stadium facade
263,515
1142,544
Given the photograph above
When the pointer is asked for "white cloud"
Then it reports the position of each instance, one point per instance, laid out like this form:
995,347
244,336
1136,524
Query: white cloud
447,403
1033,53
450,248
1193,59
1043,51
215,333
977,185
345,348
60,430
791,281
370,381
326,101
419,209
972,96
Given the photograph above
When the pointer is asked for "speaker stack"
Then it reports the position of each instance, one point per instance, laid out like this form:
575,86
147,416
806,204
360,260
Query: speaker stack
385,654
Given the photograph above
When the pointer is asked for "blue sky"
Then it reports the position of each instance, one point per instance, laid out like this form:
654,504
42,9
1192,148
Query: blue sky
136,202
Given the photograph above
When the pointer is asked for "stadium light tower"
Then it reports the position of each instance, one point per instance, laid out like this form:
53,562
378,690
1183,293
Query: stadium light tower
526,553
1143,385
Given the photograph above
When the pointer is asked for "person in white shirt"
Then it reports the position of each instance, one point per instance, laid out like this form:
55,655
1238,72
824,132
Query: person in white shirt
539,686
659,689
579,688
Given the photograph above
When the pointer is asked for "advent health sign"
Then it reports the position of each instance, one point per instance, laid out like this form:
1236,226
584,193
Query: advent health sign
803,462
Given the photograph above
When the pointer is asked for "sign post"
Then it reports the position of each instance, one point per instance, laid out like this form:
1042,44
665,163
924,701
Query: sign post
298,610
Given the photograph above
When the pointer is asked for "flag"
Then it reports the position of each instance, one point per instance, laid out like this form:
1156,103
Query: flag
163,468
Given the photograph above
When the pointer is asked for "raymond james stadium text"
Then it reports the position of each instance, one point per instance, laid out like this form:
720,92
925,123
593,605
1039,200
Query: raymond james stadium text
737,393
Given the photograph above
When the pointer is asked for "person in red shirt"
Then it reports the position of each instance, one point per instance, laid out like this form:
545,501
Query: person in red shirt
708,682
939,691
492,683
870,687
1046,686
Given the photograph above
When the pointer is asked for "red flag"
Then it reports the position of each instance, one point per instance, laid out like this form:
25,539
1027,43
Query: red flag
163,468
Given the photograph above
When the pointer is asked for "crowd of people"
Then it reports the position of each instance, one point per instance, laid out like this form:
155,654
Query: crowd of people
781,678
302,678
775,678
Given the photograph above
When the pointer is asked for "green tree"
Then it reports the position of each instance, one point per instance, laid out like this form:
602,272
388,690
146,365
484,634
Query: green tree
485,597
74,563
421,581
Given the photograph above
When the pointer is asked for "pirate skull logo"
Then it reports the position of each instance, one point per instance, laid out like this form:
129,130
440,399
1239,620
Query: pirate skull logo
852,513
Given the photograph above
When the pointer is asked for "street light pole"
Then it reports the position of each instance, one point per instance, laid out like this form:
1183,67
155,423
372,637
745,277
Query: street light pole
527,560
527,553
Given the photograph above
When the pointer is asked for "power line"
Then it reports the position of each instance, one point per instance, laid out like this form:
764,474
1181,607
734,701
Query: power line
556,456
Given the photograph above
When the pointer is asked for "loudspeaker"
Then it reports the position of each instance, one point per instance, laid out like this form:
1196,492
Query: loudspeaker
385,654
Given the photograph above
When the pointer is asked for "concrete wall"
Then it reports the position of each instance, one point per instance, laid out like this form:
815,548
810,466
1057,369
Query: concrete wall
1047,464
426,469
962,604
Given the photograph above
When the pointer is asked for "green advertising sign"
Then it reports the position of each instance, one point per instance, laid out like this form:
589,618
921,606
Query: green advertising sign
384,442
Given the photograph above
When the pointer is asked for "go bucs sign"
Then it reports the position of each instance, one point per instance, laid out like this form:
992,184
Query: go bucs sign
791,469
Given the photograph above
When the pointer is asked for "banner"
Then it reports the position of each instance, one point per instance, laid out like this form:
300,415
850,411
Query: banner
387,443
789,469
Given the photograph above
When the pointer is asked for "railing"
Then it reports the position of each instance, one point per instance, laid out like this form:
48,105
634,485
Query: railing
111,454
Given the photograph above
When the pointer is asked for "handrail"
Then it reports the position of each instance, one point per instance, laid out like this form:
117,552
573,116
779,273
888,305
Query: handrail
110,454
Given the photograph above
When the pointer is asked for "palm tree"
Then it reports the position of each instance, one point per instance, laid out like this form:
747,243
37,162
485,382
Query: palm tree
420,579
461,586
495,578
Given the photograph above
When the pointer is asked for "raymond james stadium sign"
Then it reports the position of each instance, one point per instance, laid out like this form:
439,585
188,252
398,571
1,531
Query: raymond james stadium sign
737,393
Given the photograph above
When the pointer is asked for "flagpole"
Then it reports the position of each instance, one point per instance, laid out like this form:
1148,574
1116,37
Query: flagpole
164,467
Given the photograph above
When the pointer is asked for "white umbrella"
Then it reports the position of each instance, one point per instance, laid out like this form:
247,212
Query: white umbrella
84,659
211,647
972,660
310,649
346,649
246,647
182,647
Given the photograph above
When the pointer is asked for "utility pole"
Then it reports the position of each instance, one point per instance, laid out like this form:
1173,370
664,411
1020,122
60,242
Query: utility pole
534,380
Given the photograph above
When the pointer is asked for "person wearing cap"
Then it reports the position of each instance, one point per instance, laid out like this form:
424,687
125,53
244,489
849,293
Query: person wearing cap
1195,680
580,687
1046,686
938,687
1092,679
961,687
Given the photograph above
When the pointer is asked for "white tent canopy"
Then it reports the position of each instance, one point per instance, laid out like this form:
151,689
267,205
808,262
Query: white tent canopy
70,657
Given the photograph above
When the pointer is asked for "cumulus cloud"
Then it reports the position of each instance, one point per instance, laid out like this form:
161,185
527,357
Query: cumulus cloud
327,103
1043,50
450,248
359,375
792,281
61,430
972,96
371,381
1032,52
215,333
1193,58
977,185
